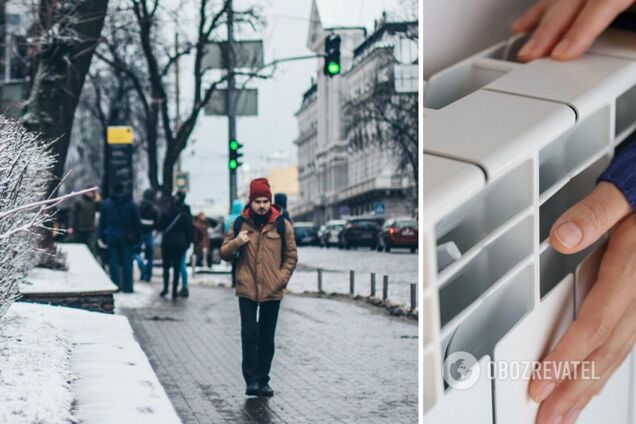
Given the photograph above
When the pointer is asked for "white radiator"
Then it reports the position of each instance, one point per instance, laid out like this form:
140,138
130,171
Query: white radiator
508,147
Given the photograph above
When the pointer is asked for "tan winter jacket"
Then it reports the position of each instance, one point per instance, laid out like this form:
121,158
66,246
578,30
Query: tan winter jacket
260,273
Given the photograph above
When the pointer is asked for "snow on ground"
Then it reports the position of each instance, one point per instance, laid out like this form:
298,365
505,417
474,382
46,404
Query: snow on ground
83,275
143,297
35,367
63,365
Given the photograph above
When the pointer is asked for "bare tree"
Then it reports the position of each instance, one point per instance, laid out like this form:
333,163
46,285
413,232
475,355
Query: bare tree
382,116
67,32
153,84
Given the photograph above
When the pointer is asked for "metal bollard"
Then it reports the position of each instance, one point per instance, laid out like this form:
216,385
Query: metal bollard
372,284
385,288
352,278
413,296
319,280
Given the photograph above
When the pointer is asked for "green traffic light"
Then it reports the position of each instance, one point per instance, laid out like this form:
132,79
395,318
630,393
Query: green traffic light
234,144
233,164
333,68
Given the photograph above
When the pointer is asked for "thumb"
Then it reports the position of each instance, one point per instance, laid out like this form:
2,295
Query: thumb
589,219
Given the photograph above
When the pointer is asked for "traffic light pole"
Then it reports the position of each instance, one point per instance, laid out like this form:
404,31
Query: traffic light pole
231,96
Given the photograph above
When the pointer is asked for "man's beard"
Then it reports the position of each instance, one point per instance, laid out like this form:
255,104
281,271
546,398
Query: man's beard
261,211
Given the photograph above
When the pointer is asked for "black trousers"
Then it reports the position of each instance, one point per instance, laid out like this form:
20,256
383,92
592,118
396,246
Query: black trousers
171,258
257,337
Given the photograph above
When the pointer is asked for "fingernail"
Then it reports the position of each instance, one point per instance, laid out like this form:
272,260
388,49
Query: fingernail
545,392
572,415
569,234
557,420
528,47
561,48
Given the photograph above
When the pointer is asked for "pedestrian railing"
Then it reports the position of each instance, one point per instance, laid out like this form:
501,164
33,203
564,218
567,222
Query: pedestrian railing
372,292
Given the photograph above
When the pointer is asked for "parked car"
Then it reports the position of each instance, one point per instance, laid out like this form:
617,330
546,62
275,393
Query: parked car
216,234
306,233
398,232
329,237
360,231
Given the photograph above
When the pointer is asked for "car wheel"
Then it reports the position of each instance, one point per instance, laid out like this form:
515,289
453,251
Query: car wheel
412,249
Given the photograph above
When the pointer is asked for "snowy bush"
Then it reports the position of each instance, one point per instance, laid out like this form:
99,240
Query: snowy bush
25,165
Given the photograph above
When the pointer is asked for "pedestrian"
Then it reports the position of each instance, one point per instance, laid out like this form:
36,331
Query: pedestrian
201,238
185,208
149,220
237,209
176,225
280,200
266,249
81,224
120,229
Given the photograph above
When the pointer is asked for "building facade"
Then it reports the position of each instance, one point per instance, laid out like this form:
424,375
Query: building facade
338,173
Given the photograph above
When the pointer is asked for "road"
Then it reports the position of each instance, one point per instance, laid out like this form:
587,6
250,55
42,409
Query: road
336,361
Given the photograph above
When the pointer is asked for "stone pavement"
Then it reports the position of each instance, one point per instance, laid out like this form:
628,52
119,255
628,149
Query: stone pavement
336,361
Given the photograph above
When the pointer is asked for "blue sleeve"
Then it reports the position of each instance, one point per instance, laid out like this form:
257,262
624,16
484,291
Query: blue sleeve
622,172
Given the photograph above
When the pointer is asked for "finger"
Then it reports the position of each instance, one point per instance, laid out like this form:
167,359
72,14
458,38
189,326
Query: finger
601,310
554,22
589,219
570,397
593,19
530,18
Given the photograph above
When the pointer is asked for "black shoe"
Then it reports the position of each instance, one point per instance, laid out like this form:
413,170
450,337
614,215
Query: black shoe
175,294
252,389
265,390
163,292
184,293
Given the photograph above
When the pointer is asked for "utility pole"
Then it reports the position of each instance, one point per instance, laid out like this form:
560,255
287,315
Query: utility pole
231,94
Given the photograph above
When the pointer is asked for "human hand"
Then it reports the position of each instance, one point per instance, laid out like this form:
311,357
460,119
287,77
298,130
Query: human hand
70,231
565,29
242,238
605,330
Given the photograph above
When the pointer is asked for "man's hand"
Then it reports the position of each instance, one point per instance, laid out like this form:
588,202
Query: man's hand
605,330
242,238
70,231
565,29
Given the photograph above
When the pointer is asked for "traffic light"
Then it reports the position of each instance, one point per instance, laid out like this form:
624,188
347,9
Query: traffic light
235,155
332,55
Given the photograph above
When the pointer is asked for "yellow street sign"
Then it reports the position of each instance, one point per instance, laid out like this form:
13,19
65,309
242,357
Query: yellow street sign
120,135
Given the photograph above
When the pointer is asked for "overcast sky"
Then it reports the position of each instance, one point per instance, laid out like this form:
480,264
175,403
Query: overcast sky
275,128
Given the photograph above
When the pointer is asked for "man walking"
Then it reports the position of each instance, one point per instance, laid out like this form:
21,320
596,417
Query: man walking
82,220
266,248
149,219
120,229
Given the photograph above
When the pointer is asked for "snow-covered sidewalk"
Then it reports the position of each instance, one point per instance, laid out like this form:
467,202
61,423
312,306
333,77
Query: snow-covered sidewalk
67,365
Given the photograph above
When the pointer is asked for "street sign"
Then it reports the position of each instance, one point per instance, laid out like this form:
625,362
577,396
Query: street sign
119,164
247,54
182,182
378,208
120,135
246,102
345,211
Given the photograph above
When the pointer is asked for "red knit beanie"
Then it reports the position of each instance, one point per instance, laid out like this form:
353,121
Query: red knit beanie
260,188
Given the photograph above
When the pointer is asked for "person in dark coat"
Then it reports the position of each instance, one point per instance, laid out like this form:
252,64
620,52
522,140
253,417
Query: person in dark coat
185,208
120,229
280,200
149,220
176,225
81,224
